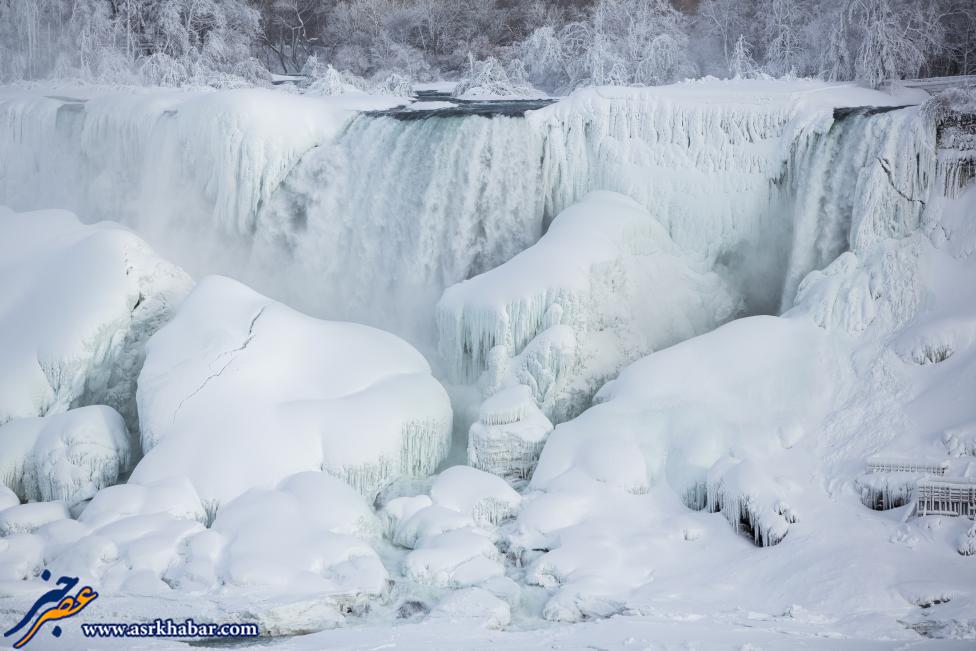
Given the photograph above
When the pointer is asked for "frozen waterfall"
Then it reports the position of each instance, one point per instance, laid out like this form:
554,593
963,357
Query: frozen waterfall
354,215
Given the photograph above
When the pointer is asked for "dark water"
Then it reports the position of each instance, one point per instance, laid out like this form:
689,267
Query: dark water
463,107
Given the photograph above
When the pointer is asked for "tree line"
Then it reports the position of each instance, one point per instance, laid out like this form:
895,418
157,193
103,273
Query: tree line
554,45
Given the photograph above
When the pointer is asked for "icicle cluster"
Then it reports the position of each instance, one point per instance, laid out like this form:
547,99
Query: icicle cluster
509,434
748,500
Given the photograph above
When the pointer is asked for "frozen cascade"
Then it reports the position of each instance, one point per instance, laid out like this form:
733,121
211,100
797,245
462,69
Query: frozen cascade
394,210
373,216
863,179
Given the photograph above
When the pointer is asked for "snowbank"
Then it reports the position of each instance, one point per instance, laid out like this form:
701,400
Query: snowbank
66,457
77,304
239,391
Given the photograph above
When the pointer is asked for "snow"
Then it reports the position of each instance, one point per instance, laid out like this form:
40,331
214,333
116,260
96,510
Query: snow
65,457
77,304
239,391
709,493
486,498
26,518
175,497
473,606
591,271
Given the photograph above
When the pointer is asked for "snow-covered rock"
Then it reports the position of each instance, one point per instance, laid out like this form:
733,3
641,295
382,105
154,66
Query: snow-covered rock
486,498
239,391
474,605
26,518
175,497
509,434
310,534
592,271
457,558
77,304
8,498
674,413
65,457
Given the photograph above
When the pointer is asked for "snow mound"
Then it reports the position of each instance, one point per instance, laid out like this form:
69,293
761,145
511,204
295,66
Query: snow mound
474,605
673,414
509,434
240,391
457,558
26,518
8,498
309,535
65,457
174,497
77,304
592,271
486,498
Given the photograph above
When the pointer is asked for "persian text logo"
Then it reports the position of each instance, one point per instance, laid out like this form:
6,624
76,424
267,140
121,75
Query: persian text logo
66,605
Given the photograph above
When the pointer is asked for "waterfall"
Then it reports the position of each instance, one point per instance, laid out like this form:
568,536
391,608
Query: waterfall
865,178
369,217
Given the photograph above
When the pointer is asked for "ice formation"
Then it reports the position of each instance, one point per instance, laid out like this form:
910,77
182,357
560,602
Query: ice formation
967,542
239,391
509,434
592,271
77,304
64,457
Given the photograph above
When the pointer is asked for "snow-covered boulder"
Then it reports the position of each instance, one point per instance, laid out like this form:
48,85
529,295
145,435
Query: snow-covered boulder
66,457
174,497
486,498
474,605
603,286
8,498
77,304
457,558
509,434
240,391
674,413
311,533
25,518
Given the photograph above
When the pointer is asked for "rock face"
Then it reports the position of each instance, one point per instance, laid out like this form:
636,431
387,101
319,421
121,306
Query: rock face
66,457
239,391
77,304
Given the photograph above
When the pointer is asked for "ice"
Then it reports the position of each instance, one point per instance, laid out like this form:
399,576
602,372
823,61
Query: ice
749,500
77,304
967,542
591,271
239,391
64,457
509,434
